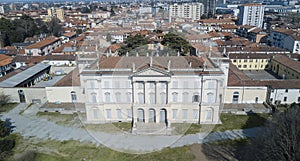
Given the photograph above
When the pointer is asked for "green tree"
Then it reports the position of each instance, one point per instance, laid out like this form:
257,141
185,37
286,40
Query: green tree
54,27
177,43
108,37
133,42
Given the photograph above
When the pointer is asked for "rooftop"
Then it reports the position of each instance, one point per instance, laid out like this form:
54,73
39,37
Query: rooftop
23,76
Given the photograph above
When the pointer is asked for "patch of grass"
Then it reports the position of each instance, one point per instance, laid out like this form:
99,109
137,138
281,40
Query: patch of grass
229,122
232,121
61,119
6,108
110,127
74,150
185,128
236,142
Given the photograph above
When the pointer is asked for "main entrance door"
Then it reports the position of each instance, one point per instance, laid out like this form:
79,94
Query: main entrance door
152,116
163,116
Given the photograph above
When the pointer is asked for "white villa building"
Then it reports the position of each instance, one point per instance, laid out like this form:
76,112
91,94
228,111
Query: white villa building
160,89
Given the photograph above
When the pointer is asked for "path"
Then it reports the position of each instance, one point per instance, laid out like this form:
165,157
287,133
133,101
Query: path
29,125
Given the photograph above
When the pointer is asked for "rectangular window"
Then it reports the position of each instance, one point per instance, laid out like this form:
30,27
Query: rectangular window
234,60
175,84
286,91
196,84
184,114
152,85
119,114
108,113
195,113
185,84
141,98
117,84
106,84
163,85
128,97
95,113
140,85
210,84
118,97
285,99
129,113
256,99
244,66
174,111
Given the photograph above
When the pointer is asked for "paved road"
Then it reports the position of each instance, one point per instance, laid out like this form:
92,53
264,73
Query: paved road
29,125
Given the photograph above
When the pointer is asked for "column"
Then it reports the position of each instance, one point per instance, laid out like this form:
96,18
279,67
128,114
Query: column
156,92
146,93
144,90
167,92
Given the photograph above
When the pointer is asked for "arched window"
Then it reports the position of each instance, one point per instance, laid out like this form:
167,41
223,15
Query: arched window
196,97
235,97
73,96
175,96
185,97
107,97
163,98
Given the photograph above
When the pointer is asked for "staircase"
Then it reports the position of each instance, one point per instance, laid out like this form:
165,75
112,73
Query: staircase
151,129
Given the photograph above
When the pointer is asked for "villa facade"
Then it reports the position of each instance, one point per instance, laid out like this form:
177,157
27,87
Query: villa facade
170,89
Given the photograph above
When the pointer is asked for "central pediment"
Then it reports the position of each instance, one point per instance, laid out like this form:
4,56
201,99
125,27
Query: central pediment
152,72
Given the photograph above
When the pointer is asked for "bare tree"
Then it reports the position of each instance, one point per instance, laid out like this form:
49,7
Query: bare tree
281,140
4,99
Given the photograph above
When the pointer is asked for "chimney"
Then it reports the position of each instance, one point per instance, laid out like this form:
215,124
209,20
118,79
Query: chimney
151,61
127,53
169,65
133,67
190,64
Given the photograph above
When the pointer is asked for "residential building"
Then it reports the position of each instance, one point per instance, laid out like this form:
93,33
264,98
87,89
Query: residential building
209,7
191,11
251,14
5,64
285,38
56,12
43,47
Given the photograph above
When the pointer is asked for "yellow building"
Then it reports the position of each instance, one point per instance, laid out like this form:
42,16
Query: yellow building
285,67
250,61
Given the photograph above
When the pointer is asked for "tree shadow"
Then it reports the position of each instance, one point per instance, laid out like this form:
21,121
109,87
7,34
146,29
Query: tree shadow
240,149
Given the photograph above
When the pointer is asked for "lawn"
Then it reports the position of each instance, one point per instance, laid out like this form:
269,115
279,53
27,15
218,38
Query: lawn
185,128
7,107
61,119
74,150
109,127
229,122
